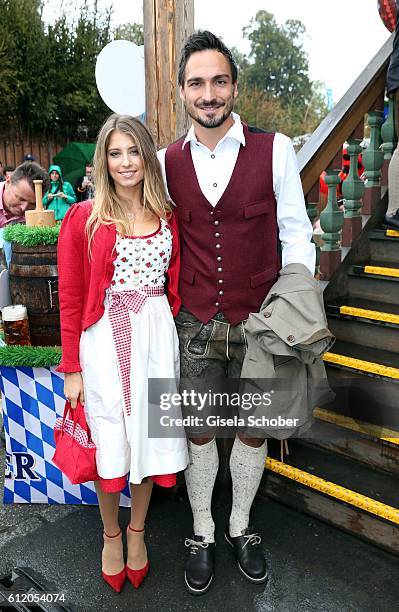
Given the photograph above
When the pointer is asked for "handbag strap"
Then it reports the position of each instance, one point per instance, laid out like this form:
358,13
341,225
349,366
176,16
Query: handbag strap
68,409
78,416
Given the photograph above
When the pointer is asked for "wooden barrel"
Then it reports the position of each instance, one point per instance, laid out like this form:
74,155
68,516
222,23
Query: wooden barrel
34,283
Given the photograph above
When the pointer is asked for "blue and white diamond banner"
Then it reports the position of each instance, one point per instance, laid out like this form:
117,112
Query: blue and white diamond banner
32,399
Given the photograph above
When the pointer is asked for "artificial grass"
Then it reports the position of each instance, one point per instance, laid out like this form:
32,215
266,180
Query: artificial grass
30,356
31,236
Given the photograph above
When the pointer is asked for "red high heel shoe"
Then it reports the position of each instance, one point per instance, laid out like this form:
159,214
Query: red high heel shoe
115,581
136,577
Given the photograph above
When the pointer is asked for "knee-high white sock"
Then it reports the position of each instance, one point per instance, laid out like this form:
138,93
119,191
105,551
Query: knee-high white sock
246,467
200,479
393,183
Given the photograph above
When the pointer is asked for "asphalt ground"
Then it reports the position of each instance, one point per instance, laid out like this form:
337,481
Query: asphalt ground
313,567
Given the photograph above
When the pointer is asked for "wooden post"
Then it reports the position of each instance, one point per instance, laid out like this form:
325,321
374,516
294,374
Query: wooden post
39,216
167,25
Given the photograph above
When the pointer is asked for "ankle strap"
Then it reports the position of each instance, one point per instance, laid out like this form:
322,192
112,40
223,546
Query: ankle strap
136,530
113,536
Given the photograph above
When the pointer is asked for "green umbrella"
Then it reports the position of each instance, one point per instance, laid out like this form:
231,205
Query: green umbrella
73,158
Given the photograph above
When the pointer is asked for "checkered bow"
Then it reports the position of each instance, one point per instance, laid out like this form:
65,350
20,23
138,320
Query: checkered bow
120,303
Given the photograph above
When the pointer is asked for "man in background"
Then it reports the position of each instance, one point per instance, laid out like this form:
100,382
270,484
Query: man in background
8,170
17,192
84,186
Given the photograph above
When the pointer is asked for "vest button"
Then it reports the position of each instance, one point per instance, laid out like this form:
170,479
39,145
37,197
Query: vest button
217,235
216,303
290,338
211,212
221,292
218,246
218,258
220,269
216,222
220,281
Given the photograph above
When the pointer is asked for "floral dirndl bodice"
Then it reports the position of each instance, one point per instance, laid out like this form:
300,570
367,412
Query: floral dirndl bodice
142,260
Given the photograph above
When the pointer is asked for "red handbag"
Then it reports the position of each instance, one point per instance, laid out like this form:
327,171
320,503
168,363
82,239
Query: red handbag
75,452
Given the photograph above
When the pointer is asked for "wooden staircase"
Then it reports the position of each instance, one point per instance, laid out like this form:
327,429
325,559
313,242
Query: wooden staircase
347,471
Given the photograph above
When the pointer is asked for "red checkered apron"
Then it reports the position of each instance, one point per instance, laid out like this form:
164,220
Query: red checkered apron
120,303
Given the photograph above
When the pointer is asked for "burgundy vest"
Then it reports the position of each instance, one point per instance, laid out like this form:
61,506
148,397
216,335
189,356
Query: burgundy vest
229,253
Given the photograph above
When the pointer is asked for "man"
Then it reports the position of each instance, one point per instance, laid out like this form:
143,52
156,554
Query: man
392,214
84,186
235,189
17,193
8,170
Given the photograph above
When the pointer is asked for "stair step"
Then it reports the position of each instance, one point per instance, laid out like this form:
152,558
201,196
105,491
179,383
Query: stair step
366,383
383,234
337,490
384,246
353,357
348,423
374,279
381,270
375,446
370,310
373,324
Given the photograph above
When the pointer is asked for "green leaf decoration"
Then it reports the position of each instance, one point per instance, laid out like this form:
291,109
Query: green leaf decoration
30,356
31,236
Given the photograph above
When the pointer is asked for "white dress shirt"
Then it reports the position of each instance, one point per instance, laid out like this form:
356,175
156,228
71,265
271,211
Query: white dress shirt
214,170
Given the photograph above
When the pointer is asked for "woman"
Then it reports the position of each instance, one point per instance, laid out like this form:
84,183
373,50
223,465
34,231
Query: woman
60,196
117,326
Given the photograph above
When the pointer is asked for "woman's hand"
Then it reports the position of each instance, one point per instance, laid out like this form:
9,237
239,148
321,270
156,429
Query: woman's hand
50,196
73,388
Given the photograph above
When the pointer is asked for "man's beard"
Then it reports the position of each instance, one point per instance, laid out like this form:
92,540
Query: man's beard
212,122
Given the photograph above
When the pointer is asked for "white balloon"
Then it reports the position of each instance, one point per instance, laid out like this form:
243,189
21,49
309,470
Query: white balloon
120,77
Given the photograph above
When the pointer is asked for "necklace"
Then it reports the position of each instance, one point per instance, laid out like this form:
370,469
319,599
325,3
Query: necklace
132,215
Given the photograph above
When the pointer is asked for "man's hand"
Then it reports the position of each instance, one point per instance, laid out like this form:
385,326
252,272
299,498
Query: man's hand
73,388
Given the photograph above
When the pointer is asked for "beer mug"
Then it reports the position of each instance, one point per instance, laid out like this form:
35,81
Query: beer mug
15,325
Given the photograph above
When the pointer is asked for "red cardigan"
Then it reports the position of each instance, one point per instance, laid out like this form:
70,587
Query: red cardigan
83,281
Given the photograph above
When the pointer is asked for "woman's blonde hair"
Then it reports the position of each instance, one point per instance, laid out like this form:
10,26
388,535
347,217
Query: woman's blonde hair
108,208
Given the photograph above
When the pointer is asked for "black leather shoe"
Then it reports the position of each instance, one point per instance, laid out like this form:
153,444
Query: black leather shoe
249,555
200,565
392,222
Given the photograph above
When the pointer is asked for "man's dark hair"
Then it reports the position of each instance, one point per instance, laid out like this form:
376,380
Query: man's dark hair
31,171
203,40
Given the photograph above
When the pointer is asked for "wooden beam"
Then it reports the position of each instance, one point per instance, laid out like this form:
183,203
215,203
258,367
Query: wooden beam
167,24
334,142
317,153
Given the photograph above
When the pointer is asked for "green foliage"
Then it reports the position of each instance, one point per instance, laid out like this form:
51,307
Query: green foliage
31,236
47,72
276,92
278,64
30,356
130,31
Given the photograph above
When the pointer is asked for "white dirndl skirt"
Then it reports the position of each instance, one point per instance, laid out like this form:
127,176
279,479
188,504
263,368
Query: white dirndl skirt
122,441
